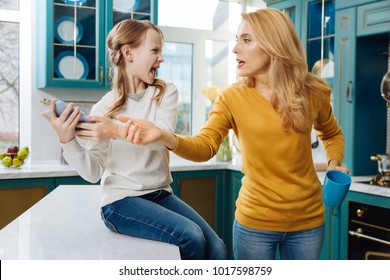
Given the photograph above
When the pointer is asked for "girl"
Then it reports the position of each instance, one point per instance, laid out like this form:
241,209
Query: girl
136,197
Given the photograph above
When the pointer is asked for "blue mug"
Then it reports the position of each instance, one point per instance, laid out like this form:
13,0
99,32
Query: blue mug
335,188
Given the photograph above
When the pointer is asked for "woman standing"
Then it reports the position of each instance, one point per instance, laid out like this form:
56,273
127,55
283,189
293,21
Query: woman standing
272,110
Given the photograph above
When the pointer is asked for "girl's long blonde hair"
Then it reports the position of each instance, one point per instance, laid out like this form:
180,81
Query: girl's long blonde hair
127,32
292,85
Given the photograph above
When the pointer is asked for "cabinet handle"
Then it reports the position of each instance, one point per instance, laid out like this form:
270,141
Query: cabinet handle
356,233
347,92
101,75
109,74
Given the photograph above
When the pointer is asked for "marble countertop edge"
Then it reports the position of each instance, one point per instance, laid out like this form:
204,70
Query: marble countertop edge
50,169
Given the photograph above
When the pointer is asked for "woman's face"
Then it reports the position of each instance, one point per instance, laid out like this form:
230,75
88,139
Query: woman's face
147,57
252,60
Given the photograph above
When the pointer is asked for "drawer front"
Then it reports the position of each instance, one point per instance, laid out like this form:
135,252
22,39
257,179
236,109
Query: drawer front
373,18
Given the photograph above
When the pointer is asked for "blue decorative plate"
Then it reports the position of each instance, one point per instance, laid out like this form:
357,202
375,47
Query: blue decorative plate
125,6
70,66
64,30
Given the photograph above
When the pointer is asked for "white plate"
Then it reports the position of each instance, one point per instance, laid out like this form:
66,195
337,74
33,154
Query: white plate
125,6
77,2
64,29
68,66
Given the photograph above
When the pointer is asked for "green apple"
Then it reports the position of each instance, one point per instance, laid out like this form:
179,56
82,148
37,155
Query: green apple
17,162
7,161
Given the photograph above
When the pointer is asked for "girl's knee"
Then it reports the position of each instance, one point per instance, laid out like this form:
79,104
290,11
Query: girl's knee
193,243
218,250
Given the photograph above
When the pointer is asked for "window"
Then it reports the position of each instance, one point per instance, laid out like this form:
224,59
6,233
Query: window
199,38
9,73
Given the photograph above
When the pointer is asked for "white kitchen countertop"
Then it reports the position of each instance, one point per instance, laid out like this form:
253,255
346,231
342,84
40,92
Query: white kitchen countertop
66,225
56,169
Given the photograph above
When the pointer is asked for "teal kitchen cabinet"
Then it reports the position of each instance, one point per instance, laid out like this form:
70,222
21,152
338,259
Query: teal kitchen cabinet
295,10
352,3
71,39
359,68
234,184
74,180
317,38
204,191
373,18
331,247
18,195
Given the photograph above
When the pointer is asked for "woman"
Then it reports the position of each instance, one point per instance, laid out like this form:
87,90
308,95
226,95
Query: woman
271,109
136,197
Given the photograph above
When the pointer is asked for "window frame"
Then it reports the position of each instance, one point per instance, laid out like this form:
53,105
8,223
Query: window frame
197,38
23,18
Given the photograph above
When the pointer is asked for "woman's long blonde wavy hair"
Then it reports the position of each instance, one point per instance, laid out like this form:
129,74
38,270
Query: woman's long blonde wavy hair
127,32
292,85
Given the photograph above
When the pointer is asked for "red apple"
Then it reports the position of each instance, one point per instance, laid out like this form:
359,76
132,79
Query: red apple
13,149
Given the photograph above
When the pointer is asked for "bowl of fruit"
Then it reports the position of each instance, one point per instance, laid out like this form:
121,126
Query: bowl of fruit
14,156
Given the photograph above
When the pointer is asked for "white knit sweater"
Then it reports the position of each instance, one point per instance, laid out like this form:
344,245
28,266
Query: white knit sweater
126,169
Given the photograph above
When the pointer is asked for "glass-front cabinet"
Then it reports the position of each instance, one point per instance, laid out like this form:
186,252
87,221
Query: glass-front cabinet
314,21
320,38
71,38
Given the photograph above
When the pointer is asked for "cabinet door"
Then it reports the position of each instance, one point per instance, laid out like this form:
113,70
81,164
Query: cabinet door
18,195
118,10
69,39
203,191
295,9
234,184
344,81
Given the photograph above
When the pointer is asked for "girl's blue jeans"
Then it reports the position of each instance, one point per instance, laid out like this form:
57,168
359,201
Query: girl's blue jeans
251,244
162,216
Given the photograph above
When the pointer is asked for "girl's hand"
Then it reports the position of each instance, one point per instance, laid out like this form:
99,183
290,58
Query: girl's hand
95,130
65,124
335,165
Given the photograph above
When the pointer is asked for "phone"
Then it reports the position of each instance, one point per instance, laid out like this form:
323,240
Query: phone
60,107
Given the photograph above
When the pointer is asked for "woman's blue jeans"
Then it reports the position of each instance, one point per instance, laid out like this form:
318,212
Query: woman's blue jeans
251,244
162,216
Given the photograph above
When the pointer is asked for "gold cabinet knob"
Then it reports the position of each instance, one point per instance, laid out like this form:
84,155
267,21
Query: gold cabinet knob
360,213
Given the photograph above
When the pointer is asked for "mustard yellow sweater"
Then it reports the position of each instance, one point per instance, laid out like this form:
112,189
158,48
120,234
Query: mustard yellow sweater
280,188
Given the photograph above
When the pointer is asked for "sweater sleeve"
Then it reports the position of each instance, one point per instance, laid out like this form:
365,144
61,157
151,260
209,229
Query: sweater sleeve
89,160
205,144
88,163
329,132
166,113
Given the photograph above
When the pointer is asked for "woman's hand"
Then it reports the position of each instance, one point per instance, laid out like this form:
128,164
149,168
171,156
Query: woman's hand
142,132
65,124
136,131
95,129
335,165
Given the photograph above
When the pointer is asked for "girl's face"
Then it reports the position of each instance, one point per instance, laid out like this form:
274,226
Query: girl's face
252,60
147,57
